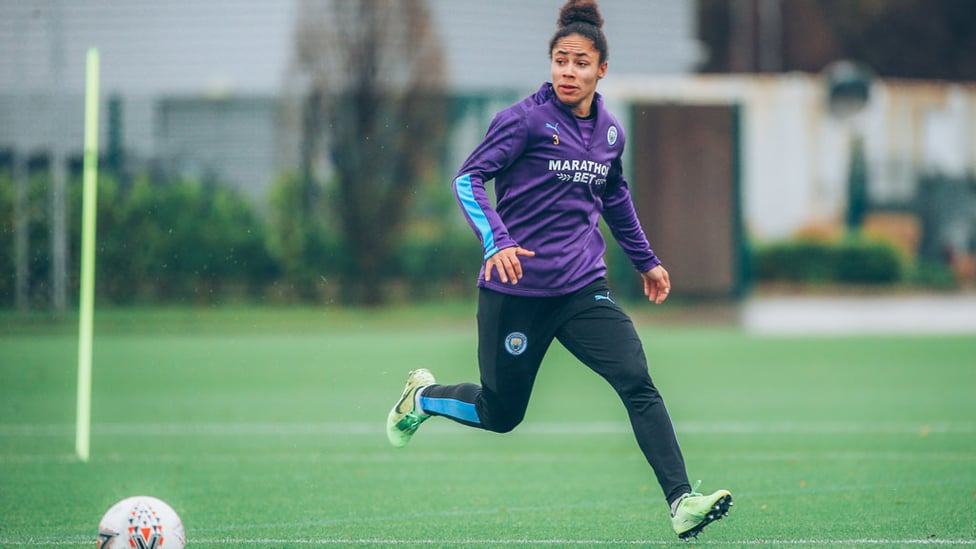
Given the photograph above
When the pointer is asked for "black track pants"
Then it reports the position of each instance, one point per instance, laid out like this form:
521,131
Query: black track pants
514,335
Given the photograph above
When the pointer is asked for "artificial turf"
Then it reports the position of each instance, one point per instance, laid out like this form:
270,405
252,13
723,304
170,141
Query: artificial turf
264,428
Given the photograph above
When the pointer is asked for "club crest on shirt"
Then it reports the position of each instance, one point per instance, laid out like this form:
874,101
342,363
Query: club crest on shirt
515,343
612,135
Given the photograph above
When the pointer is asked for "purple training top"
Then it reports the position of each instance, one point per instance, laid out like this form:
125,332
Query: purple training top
551,189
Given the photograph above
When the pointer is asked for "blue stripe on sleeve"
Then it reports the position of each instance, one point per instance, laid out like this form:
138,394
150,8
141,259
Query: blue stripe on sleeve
462,186
451,408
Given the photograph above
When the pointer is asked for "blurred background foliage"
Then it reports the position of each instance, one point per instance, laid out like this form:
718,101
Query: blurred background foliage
200,243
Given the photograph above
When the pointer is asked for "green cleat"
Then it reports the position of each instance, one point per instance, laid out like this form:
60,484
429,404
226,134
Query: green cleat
404,418
696,511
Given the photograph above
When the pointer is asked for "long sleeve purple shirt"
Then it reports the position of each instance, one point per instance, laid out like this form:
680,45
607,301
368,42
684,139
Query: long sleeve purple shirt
551,188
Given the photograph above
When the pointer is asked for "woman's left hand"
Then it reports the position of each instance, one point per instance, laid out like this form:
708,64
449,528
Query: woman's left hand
657,284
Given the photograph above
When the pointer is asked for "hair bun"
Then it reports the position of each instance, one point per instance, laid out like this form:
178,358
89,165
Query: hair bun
580,11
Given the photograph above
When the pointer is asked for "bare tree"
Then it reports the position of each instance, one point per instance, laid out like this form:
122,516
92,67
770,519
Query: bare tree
373,77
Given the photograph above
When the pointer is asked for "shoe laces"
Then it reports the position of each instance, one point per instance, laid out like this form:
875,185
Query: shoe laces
693,493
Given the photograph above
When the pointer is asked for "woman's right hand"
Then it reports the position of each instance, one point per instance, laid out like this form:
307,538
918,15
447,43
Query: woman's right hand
507,263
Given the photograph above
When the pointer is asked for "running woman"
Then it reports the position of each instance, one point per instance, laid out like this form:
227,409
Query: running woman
556,161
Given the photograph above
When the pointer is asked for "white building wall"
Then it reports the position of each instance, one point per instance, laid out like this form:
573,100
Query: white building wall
795,155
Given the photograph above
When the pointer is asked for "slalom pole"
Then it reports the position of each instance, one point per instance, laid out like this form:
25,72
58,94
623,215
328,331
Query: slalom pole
87,298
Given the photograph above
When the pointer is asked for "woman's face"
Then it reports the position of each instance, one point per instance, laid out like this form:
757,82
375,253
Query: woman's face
576,68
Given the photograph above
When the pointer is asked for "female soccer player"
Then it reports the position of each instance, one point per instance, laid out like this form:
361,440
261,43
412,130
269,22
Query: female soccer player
556,161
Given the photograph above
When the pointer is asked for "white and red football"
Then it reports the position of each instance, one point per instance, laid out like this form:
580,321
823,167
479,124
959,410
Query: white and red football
141,522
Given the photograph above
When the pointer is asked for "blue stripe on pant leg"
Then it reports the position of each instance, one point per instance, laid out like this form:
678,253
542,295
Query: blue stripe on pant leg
451,408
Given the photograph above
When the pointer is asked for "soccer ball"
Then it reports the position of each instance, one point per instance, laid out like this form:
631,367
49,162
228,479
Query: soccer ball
141,522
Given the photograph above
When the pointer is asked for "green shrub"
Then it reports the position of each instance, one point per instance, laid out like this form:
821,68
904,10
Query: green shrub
868,262
933,274
802,260
7,246
854,260
439,265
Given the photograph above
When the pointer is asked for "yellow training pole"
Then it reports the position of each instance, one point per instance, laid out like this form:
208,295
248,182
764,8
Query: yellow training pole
87,302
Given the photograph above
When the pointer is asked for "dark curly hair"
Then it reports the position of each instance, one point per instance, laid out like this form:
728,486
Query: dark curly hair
581,17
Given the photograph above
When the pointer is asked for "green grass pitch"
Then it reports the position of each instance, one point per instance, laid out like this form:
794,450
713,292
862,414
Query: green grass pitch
265,428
